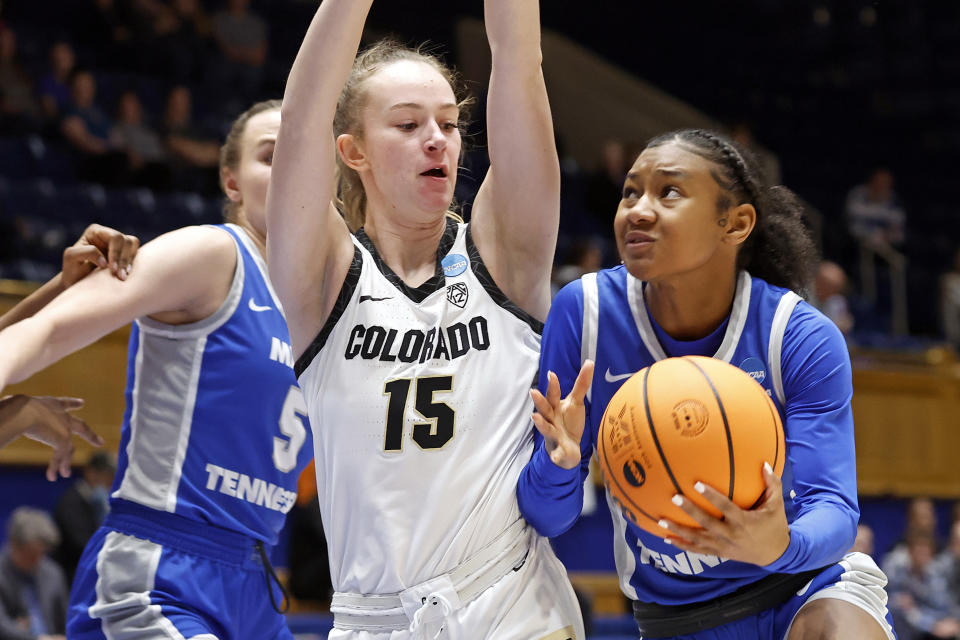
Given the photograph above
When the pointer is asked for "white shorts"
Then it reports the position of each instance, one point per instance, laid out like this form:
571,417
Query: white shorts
535,602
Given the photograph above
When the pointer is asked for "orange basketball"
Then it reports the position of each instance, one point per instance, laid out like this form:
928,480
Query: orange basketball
683,420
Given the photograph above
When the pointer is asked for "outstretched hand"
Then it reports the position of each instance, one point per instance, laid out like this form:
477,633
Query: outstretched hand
561,421
758,536
48,420
101,247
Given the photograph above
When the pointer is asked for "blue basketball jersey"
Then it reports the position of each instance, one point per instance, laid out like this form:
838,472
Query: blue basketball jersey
215,427
786,345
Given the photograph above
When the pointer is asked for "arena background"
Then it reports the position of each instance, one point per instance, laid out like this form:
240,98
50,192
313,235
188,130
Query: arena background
830,89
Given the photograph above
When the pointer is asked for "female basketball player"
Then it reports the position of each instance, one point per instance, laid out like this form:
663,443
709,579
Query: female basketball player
710,258
397,328
48,419
215,431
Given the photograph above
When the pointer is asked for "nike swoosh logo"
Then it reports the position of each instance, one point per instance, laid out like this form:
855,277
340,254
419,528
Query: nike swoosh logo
255,307
609,377
372,299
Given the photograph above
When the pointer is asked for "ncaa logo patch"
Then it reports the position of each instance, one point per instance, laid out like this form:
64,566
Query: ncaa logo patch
457,294
453,265
634,473
756,369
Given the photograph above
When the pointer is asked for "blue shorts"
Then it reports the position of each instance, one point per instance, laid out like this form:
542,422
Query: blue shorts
146,574
855,579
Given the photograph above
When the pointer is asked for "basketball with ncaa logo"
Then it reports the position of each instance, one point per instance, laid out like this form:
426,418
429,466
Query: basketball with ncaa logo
686,420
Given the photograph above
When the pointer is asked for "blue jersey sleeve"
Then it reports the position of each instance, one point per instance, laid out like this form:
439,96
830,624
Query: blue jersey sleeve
818,387
551,498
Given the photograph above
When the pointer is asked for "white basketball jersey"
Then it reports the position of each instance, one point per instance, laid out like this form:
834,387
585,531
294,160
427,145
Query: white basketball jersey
421,411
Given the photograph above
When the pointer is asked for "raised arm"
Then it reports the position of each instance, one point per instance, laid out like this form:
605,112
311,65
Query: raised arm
187,272
517,211
308,245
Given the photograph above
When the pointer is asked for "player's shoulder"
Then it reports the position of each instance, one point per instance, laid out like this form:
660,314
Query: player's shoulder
203,239
806,325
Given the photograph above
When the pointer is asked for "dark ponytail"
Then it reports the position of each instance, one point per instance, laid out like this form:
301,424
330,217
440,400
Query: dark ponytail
780,249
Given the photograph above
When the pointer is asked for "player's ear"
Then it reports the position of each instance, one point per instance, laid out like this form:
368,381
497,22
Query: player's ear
351,152
740,222
230,186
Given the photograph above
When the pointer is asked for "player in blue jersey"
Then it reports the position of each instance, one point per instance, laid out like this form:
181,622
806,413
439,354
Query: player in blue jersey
215,430
711,257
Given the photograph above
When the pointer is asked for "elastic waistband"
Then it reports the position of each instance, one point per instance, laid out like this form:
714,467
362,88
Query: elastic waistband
192,536
382,612
662,621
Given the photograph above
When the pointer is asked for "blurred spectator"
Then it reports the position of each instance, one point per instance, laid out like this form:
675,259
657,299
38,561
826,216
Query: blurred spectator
194,155
33,591
830,295
605,185
864,540
242,38
950,303
584,256
87,129
55,84
146,155
948,563
742,133
19,111
874,213
85,125
919,598
82,508
921,517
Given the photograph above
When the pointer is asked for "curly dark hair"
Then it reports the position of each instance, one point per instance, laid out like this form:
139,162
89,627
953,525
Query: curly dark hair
780,248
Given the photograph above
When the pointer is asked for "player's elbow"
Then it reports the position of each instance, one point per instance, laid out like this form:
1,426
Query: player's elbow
548,521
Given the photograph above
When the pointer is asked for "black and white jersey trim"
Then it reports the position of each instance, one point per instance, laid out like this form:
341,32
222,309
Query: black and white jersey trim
437,282
498,296
343,299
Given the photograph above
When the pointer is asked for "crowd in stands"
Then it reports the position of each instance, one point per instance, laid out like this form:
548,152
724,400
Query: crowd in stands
923,573
41,553
112,110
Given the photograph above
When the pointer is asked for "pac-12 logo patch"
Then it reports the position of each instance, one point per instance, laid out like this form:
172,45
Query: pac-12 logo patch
454,264
756,369
457,294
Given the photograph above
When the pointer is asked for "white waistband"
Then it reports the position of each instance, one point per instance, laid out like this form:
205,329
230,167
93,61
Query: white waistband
503,554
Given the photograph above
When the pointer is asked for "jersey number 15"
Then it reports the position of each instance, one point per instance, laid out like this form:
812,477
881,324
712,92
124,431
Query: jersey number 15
430,435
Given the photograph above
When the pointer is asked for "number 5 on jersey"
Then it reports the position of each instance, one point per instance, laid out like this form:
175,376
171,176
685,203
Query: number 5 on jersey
431,435
286,450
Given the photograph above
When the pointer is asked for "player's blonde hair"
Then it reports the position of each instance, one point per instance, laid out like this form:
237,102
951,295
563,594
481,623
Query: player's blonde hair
351,197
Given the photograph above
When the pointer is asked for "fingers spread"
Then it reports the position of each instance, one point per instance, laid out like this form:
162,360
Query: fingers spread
69,404
582,383
83,430
553,389
542,404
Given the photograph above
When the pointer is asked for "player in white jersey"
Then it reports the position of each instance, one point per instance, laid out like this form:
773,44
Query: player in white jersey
214,435
417,338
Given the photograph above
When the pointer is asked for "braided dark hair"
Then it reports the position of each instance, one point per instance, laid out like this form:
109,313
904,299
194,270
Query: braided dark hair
780,249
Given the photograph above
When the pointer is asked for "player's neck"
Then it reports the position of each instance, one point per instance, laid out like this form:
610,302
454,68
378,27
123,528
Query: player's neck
409,249
690,306
259,240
